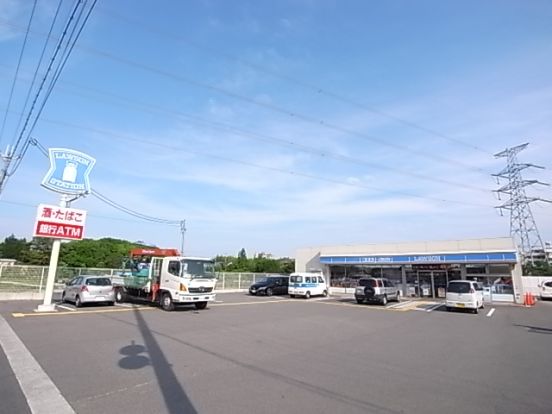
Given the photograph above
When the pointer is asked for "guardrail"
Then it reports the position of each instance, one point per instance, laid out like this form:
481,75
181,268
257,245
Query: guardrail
32,279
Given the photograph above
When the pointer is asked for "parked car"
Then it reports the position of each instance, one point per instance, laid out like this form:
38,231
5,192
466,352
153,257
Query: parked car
376,289
88,289
546,290
272,285
464,294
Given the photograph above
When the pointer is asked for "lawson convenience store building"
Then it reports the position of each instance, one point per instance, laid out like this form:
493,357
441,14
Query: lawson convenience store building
421,269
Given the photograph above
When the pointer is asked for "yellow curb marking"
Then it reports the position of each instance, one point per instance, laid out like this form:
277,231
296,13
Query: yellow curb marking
22,315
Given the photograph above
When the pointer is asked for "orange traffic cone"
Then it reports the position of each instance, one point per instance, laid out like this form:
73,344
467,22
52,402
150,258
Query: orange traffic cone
526,299
532,299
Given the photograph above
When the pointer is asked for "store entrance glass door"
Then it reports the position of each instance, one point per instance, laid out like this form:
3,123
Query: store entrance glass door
426,284
433,283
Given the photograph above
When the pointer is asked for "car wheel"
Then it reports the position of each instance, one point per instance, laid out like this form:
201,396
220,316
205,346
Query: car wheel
398,297
325,293
63,297
78,302
482,306
307,295
200,305
119,295
167,302
476,311
268,292
384,300
360,301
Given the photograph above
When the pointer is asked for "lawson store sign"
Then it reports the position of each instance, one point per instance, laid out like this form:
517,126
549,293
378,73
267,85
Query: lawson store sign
491,257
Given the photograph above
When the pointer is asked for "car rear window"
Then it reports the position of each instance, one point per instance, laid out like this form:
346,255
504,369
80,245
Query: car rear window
98,281
368,282
459,287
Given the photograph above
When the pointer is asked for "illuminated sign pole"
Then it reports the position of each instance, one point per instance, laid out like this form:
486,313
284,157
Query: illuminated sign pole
68,175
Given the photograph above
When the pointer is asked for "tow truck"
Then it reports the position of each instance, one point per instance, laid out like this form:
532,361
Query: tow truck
163,277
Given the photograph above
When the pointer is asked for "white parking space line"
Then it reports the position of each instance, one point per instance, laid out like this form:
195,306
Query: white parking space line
432,308
43,397
124,305
490,313
66,307
400,304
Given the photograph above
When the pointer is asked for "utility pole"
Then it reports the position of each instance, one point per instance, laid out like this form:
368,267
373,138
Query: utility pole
6,158
182,233
523,228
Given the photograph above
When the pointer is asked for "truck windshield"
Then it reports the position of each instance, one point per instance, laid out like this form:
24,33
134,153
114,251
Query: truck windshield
198,268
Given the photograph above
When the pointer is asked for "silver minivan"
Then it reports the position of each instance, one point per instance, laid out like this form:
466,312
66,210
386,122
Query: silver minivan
464,294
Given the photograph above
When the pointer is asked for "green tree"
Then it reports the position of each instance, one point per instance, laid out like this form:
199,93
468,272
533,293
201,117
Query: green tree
38,252
539,268
104,253
13,248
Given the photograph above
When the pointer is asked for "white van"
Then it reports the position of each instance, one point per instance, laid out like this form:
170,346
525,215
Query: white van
464,294
307,285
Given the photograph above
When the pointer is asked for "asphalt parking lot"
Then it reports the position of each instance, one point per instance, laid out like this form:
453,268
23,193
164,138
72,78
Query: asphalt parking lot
249,354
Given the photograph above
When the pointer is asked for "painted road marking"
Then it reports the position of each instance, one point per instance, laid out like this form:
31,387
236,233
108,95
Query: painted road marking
43,397
490,313
432,308
255,303
358,306
66,307
83,312
124,305
399,305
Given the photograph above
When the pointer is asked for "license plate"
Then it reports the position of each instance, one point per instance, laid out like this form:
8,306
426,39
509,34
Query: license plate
460,305
100,298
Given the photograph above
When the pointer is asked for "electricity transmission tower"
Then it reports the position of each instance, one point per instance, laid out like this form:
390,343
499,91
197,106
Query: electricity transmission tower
522,223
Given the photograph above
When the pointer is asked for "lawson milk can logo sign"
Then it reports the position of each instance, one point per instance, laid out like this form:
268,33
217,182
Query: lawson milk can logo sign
69,171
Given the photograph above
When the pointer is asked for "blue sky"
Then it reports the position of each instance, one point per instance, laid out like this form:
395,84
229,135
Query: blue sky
278,125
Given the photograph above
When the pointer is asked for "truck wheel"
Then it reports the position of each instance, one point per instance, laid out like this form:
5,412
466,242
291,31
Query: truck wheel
307,295
200,305
167,302
119,295
325,293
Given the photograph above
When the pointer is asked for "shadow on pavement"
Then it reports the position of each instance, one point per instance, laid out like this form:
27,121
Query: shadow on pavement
138,356
536,329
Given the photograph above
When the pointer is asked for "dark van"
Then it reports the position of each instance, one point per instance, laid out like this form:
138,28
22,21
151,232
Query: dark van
272,285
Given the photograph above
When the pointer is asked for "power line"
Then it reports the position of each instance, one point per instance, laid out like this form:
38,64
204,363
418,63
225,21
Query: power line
250,164
39,64
17,70
65,56
17,203
305,118
5,172
275,108
155,109
143,25
112,203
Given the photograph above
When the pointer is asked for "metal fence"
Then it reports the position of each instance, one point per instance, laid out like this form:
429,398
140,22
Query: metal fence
32,279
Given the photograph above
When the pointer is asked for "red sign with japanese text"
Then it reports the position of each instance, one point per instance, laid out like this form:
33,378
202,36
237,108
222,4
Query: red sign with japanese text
59,222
